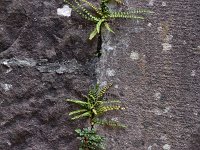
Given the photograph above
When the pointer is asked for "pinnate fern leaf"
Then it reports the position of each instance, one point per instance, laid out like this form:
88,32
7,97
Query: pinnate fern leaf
79,102
77,111
104,90
93,7
86,114
108,27
98,25
93,34
105,109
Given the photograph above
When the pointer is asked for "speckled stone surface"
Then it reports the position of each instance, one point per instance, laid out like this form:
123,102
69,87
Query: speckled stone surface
156,73
44,59
153,64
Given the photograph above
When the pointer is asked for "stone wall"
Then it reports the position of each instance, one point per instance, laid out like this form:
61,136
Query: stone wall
155,68
154,65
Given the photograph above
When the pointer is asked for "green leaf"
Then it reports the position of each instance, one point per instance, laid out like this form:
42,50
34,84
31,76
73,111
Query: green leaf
77,111
78,131
94,111
92,6
108,27
104,109
98,25
79,102
93,34
86,114
103,90
125,15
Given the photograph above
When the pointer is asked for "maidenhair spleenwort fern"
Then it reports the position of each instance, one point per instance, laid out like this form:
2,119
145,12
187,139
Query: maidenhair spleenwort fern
90,140
94,105
103,15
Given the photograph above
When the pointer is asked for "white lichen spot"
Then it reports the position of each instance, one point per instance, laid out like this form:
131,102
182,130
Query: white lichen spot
167,147
166,46
116,86
151,2
9,70
193,73
107,47
163,137
134,56
9,143
166,110
168,38
26,62
184,42
161,111
149,24
151,146
195,113
157,95
104,83
164,4
65,11
157,112
160,29
6,87
110,72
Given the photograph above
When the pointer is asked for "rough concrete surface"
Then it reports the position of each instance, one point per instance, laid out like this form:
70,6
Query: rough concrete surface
44,59
153,64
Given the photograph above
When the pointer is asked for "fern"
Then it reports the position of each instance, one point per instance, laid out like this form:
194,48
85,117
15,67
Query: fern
90,140
94,105
103,15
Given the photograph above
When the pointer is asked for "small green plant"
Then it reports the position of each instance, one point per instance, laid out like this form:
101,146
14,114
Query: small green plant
103,15
94,105
90,140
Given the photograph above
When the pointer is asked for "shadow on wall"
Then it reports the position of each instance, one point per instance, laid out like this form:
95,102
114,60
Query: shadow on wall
195,141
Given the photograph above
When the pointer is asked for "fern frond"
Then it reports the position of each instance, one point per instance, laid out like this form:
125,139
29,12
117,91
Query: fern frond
77,111
92,6
86,114
94,111
104,8
79,102
98,25
86,16
108,27
86,12
93,34
124,15
139,11
104,90
93,91
109,123
105,109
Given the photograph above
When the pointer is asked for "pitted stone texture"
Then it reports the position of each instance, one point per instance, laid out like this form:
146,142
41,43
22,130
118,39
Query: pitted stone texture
44,59
161,95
